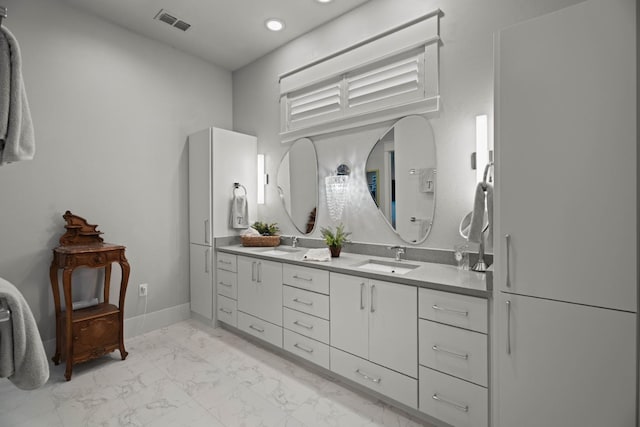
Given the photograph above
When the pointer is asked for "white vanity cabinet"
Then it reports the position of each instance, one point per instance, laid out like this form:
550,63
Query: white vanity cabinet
260,298
377,322
305,298
453,358
227,288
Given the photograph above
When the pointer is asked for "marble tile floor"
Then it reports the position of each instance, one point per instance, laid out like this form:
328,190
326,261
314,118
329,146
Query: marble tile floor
191,375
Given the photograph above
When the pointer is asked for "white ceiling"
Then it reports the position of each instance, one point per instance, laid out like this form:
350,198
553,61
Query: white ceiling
228,33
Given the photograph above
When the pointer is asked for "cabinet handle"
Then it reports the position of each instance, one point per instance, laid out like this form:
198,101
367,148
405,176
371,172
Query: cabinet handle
451,310
463,408
253,271
304,325
303,348
224,310
507,238
206,260
222,261
362,296
508,327
308,279
225,284
464,356
259,272
373,309
301,301
206,231
256,328
368,377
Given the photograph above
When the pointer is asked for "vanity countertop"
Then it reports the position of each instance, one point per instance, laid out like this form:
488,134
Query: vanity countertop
426,275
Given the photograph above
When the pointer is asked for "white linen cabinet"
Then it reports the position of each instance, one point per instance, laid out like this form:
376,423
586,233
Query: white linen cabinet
217,159
566,234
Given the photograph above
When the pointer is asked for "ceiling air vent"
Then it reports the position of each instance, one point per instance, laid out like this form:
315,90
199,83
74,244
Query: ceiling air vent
170,19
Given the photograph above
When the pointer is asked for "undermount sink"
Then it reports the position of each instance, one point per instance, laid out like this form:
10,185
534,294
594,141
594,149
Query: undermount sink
279,251
387,266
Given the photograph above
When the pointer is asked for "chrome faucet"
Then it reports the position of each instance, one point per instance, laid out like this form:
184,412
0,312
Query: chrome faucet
294,241
399,251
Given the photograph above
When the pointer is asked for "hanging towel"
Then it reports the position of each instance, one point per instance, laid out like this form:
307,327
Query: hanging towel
482,202
19,142
30,365
239,216
5,84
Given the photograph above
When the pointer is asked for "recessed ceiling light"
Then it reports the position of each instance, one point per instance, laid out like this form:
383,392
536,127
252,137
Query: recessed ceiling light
324,1
274,24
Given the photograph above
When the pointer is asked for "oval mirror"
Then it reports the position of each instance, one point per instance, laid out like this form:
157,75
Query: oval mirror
401,176
298,184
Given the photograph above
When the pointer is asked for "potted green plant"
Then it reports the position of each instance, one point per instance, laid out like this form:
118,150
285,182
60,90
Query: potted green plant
335,239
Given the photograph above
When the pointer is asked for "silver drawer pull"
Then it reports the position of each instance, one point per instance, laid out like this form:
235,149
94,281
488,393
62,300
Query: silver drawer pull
303,348
450,310
301,301
463,408
368,377
256,328
221,261
304,325
308,279
464,356
225,311
225,284
507,239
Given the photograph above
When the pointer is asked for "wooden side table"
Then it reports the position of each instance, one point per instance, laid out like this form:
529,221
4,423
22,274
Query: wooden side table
90,332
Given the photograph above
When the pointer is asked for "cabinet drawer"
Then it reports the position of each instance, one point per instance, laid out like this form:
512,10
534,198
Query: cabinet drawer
453,401
227,262
259,328
305,301
227,283
227,311
95,337
387,382
454,351
311,279
457,310
306,324
307,348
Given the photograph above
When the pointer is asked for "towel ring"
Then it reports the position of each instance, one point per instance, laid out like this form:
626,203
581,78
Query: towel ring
236,186
486,173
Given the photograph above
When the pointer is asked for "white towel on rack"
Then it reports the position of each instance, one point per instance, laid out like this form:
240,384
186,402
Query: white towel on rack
483,202
239,215
30,365
19,142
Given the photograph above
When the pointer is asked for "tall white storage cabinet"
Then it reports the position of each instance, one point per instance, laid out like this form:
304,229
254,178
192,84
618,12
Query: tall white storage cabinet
566,233
218,158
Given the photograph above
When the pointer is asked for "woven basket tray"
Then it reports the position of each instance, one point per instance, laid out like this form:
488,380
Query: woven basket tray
260,240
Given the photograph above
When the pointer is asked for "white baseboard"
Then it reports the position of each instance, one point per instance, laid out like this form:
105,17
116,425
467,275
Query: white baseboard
139,325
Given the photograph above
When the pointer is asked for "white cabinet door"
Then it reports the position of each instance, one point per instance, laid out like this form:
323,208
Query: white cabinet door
201,280
260,289
349,314
566,156
200,188
564,365
393,326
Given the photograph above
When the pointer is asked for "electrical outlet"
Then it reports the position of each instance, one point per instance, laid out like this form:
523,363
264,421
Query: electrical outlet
142,290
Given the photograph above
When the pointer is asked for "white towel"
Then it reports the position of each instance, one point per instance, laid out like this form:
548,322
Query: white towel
239,215
30,365
19,143
482,202
317,255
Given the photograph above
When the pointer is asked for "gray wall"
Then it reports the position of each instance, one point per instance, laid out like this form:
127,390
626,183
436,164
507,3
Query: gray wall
466,88
111,112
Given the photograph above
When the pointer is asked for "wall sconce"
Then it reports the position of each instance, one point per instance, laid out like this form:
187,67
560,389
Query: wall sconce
482,145
263,179
337,189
